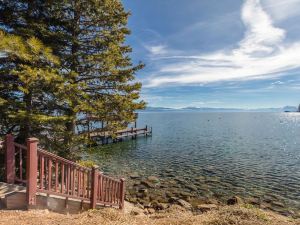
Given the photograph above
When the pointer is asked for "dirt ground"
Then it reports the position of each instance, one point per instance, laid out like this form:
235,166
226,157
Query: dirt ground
235,215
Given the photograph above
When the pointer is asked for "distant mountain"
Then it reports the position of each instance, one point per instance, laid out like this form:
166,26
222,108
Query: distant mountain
204,109
207,109
158,109
290,109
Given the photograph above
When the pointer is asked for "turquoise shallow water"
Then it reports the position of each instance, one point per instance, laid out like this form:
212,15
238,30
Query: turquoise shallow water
220,154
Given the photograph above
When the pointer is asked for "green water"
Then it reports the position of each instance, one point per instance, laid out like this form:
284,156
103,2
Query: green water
215,155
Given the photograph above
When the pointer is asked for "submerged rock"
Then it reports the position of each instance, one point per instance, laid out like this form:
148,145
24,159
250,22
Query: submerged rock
192,187
185,194
180,180
159,206
278,204
153,179
143,190
184,204
134,176
148,184
235,200
181,202
254,201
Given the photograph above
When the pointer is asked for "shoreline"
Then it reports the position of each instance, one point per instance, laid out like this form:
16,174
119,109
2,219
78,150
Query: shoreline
152,196
227,215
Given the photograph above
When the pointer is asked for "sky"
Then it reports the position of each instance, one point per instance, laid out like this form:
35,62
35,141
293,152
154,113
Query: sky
212,53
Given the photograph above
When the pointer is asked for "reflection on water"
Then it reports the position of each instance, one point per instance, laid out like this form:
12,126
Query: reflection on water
218,154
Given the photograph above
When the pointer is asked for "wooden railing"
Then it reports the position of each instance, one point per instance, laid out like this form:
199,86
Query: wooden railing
45,172
20,163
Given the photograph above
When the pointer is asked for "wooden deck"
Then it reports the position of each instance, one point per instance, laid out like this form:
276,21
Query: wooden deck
105,137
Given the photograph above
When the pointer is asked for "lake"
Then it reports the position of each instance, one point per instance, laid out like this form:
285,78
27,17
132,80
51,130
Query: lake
213,156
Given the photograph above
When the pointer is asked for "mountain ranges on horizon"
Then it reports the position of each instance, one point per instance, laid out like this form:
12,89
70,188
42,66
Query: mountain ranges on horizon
210,109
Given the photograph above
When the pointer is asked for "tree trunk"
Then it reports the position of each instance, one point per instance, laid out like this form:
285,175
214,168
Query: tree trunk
26,125
71,124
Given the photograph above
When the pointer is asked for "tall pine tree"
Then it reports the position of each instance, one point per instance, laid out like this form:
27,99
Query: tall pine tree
28,87
89,37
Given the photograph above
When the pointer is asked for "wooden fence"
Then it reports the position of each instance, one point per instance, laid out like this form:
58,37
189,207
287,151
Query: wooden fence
45,172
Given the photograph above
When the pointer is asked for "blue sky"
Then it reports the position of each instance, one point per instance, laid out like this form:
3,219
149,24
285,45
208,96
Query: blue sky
212,53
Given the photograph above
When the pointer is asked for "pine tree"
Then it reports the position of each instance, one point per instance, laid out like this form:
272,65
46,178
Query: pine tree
28,19
93,33
89,37
28,86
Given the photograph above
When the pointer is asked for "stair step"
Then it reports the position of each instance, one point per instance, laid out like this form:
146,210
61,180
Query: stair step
6,189
13,197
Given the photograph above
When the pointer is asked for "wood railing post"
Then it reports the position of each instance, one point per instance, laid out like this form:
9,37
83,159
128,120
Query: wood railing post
10,159
31,172
122,193
94,187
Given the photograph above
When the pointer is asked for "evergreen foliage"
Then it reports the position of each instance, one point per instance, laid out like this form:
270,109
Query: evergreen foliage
28,86
88,76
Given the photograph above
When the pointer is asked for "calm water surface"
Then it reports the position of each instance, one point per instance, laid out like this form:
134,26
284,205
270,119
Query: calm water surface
253,155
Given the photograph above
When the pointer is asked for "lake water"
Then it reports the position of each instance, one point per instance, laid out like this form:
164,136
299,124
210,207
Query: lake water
214,156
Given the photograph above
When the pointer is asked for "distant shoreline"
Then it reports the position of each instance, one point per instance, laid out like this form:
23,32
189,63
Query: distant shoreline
208,109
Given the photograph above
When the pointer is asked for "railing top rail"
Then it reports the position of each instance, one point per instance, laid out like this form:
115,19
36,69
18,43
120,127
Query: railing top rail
20,146
56,157
110,178
71,179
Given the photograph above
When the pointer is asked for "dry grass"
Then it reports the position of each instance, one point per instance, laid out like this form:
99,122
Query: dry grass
175,215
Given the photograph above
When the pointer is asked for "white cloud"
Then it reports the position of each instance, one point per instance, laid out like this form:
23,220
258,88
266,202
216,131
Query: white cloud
261,35
282,9
261,54
277,83
156,49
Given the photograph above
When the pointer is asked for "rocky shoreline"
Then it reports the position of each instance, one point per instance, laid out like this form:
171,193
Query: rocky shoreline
152,195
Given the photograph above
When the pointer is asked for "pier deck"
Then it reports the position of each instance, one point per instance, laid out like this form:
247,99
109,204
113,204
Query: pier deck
105,137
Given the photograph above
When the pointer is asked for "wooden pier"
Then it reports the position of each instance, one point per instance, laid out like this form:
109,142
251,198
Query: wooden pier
105,137
101,134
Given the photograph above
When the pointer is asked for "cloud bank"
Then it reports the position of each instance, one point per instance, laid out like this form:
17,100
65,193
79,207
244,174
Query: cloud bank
282,9
261,54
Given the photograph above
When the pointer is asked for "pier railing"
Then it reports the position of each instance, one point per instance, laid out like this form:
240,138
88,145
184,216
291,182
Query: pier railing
45,172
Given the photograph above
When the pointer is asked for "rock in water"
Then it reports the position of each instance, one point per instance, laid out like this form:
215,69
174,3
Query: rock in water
153,179
147,184
235,200
134,175
184,204
159,206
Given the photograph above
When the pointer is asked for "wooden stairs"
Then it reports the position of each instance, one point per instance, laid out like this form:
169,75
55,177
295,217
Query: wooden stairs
13,197
38,179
